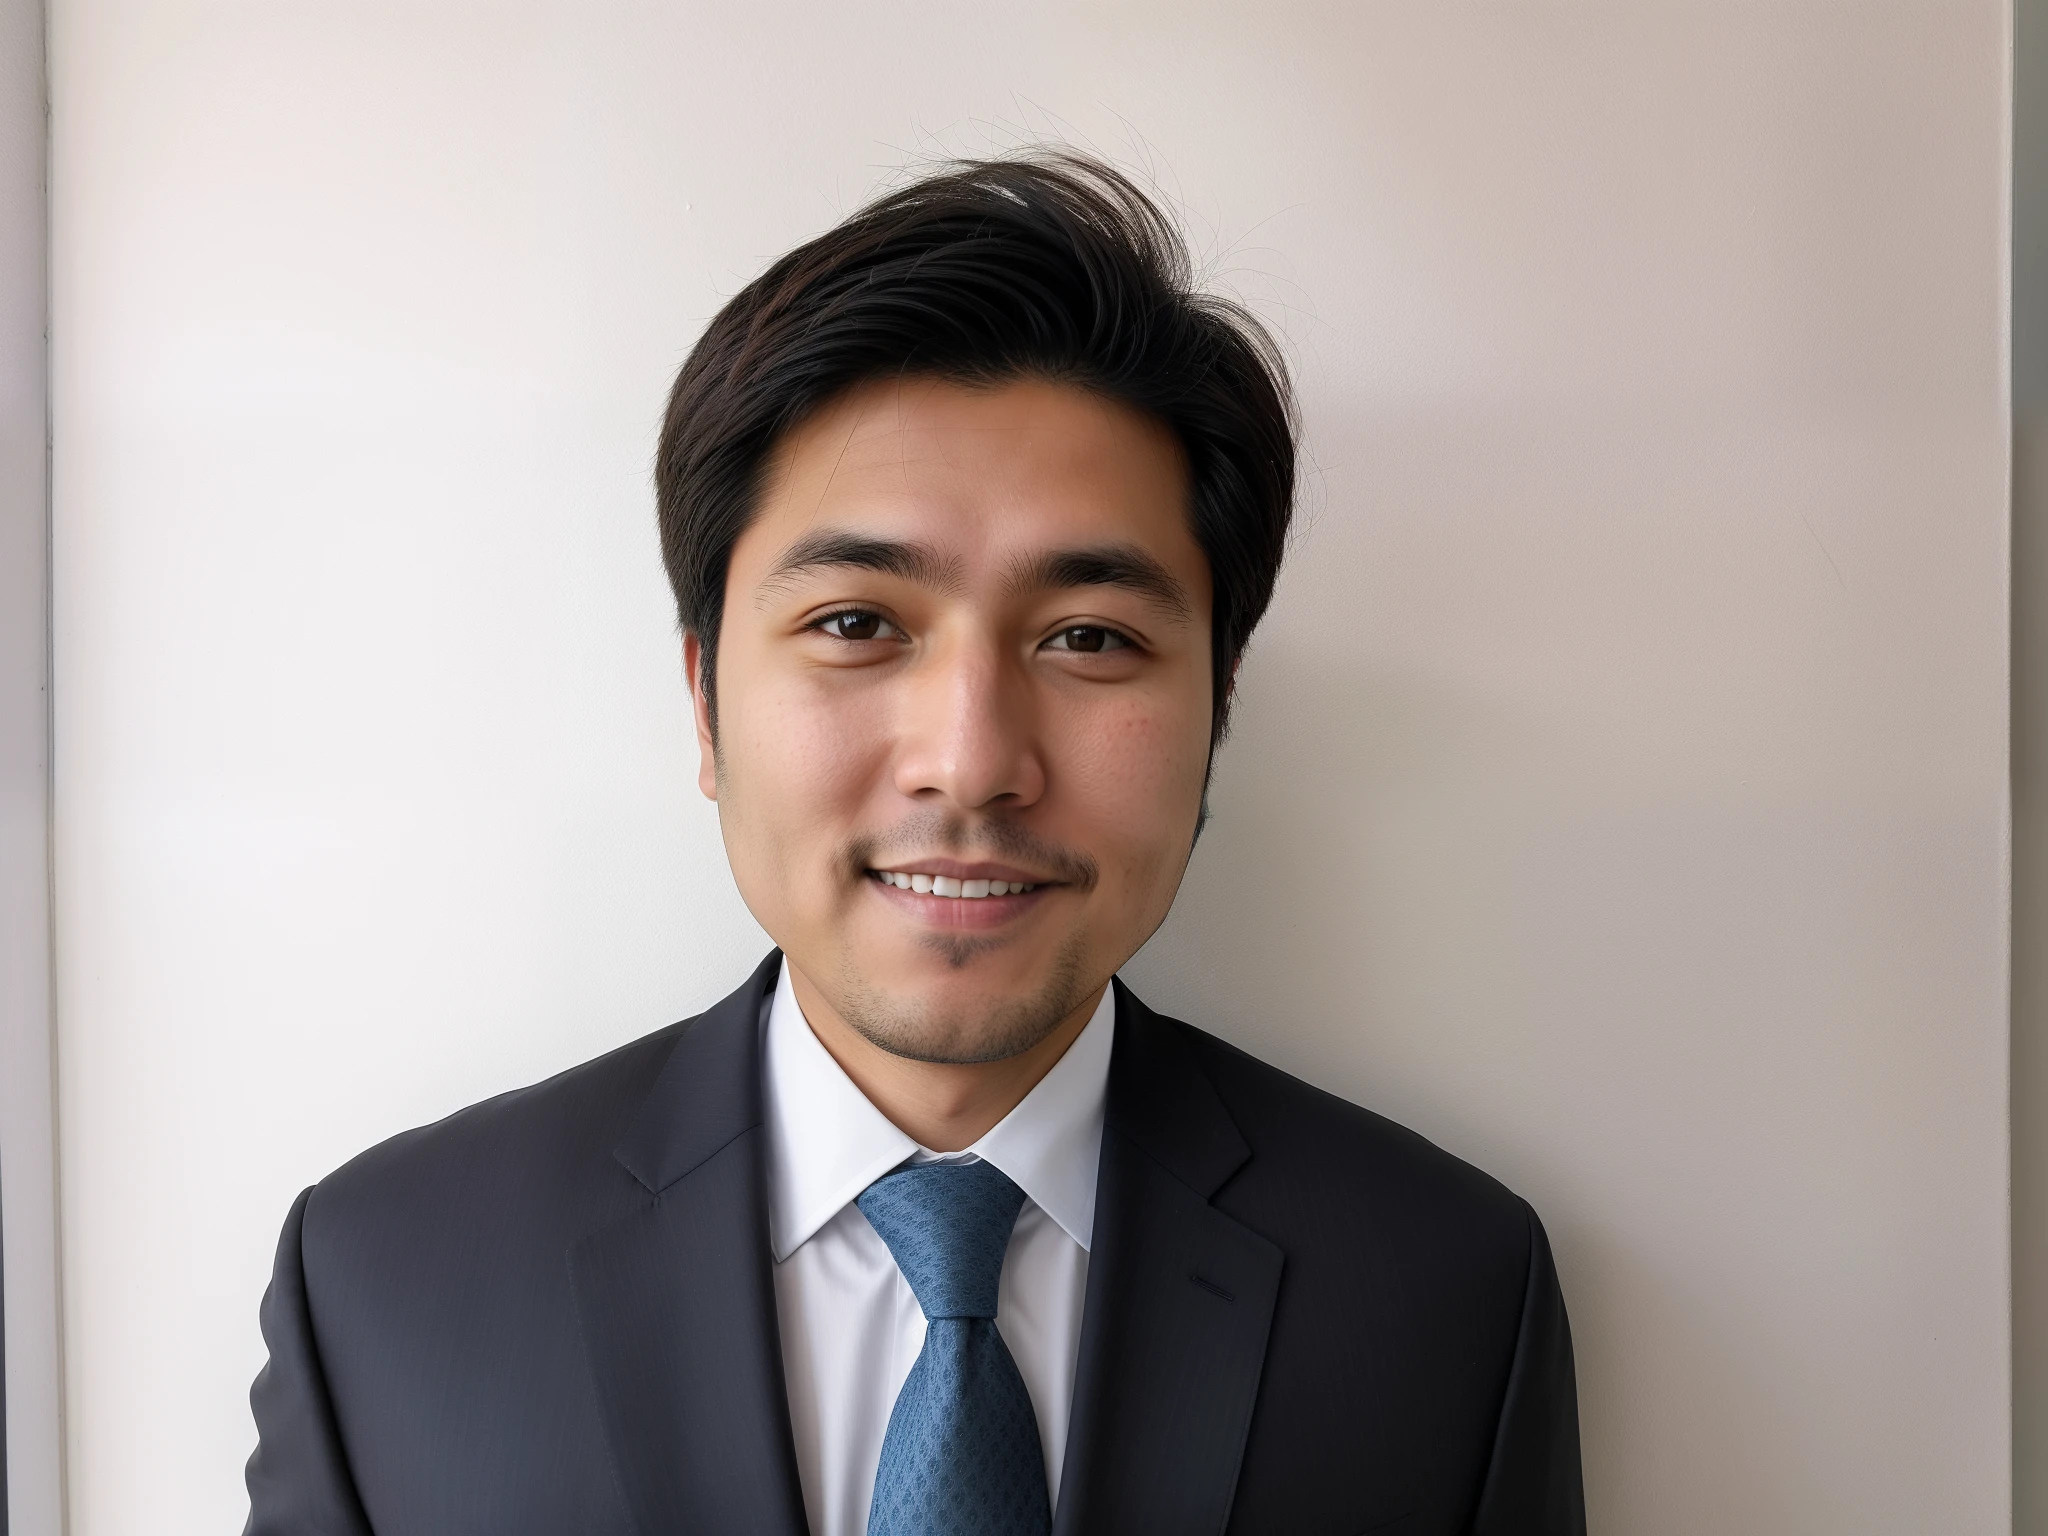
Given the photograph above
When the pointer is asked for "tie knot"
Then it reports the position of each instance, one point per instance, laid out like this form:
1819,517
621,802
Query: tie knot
948,1226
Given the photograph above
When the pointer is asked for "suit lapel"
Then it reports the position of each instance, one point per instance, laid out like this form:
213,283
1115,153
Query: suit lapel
677,1299
1180,1303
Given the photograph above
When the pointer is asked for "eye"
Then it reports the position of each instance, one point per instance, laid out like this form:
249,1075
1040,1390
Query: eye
857,624
1088,638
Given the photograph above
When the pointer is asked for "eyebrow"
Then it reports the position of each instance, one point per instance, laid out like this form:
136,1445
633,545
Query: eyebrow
831,548
1104,565
1097,565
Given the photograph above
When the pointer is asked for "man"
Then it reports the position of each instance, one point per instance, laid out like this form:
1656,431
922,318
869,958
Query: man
970,506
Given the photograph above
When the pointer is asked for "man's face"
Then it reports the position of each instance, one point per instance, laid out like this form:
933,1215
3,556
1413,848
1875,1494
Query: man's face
965,647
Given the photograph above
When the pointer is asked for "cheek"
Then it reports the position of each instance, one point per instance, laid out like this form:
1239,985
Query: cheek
799,764
1135,776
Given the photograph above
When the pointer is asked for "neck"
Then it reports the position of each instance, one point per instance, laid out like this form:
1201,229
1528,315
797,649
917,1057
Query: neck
941,1105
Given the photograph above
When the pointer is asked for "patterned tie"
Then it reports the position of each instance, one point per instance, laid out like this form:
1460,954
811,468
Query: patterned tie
961,1457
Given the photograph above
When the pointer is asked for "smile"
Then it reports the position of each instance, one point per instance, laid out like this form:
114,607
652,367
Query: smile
947,885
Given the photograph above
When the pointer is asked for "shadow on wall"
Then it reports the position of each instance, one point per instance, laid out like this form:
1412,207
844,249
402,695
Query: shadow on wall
1329,798
1383,904
1623,940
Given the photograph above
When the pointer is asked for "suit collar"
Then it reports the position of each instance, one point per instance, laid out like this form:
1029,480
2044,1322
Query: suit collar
677,1298
1161,1099
1180,1302
709,1092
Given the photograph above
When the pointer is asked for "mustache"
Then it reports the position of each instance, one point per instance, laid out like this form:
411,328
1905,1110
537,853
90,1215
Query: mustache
963,837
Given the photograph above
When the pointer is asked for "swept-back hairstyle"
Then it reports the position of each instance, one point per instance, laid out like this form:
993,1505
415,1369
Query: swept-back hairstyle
1050,266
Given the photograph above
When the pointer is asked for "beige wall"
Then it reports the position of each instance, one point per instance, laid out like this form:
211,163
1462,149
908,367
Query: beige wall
1619,794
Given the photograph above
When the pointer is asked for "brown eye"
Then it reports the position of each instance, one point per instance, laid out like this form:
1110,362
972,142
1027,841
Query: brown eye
1087,638
857,624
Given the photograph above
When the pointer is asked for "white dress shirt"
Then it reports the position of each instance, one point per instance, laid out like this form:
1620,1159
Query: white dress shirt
851,1329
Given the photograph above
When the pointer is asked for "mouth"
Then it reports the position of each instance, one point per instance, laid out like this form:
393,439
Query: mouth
951,886
944,894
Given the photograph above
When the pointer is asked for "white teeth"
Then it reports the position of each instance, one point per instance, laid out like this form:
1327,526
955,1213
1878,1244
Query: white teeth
946,885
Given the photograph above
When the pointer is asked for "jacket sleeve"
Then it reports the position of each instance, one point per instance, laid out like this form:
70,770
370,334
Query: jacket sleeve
299,1483
1533,1485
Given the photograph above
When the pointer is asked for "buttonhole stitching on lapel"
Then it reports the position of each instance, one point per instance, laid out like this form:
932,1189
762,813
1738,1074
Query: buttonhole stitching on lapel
1211,1286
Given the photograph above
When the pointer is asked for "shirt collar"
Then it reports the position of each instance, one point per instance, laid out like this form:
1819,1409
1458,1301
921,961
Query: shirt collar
827,1143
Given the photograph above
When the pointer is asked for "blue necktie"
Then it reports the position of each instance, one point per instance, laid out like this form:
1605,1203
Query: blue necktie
961,1456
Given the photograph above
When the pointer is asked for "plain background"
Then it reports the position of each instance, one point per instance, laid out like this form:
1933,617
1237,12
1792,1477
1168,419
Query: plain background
2030,767
1619,790
30,1457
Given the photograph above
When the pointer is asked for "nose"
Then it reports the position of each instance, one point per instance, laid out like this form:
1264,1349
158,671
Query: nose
969,731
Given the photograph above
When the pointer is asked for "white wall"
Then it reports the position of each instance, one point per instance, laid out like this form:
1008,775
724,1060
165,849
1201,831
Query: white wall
1619,791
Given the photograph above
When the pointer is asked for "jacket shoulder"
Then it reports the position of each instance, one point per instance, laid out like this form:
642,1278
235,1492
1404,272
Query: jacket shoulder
529,1168
1311,1137
537,1145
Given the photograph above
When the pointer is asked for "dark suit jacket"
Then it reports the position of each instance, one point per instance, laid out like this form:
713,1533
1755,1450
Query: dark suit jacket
552,1315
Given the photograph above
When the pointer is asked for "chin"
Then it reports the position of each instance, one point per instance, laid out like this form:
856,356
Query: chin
936,1005
999,1029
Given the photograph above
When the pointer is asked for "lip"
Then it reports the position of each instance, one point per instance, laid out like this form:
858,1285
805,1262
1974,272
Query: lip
963,913
959,871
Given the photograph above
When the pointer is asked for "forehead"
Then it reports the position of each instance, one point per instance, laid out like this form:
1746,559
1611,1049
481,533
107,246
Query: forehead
983,472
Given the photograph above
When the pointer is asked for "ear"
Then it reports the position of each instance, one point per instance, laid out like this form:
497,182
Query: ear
700,708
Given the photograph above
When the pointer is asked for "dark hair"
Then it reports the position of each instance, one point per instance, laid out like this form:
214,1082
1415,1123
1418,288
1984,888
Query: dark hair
1048,266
